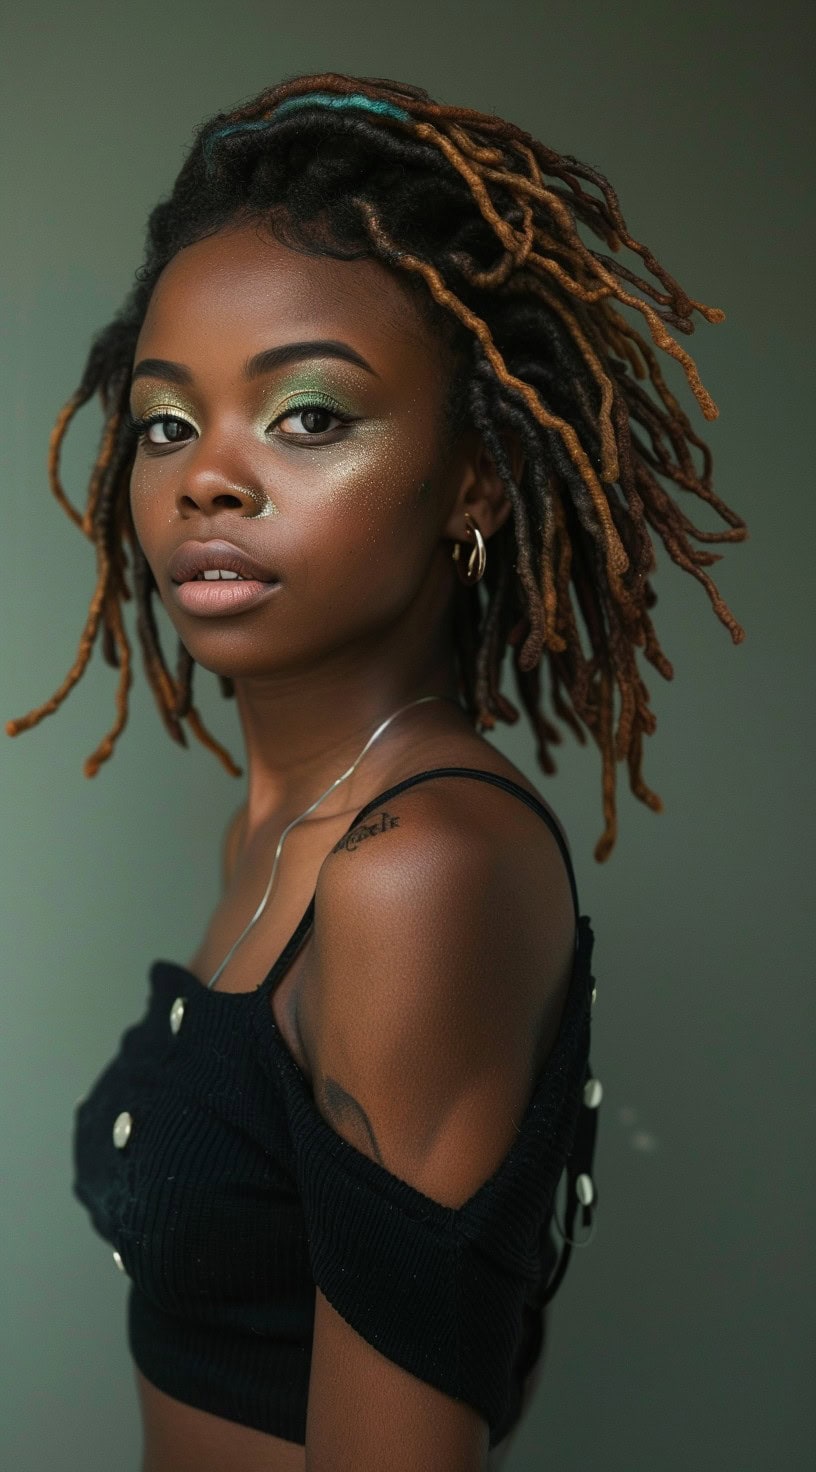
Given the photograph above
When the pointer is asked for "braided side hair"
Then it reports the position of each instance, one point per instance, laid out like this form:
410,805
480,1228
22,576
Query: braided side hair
482,221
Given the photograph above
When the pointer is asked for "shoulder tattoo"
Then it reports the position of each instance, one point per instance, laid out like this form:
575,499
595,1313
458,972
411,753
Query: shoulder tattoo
382,823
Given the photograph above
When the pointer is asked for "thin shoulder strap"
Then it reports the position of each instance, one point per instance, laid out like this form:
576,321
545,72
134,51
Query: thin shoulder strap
509,786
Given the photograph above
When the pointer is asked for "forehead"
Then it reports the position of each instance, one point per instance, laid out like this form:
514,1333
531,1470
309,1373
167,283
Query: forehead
241,288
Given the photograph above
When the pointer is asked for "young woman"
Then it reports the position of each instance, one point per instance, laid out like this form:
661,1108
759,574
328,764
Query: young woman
373,416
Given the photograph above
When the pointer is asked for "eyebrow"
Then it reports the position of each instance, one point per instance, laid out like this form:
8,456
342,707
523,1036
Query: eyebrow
261,363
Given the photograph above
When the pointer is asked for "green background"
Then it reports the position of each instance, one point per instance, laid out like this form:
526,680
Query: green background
682,1338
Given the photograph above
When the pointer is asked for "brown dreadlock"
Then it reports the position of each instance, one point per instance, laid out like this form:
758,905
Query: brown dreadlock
482,220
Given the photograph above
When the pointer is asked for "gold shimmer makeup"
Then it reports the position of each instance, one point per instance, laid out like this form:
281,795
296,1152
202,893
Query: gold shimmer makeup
159,399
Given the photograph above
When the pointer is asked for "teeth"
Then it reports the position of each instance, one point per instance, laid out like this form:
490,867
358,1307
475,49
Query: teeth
212,574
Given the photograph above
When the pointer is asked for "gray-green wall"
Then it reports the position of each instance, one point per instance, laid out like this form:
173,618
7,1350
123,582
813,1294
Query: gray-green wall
682,1338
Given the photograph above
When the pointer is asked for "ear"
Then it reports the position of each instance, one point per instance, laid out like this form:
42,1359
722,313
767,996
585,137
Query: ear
480,489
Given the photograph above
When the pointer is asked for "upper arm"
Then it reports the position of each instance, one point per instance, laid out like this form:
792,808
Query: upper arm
366,1413
433,954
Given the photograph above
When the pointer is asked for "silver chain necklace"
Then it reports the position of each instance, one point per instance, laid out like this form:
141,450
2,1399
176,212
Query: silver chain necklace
310,809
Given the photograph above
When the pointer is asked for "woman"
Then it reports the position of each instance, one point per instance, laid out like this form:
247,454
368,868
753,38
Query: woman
369,363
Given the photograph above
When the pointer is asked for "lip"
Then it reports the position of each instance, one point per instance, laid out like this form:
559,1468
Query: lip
192,558
214,599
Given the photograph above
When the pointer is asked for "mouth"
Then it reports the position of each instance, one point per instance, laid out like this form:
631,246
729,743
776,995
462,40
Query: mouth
211,596
216,577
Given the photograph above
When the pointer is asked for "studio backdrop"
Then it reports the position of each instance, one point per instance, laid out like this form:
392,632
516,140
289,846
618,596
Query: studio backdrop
683,1334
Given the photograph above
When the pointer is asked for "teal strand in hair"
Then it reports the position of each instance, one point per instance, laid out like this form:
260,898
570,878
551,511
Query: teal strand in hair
309,99
352,99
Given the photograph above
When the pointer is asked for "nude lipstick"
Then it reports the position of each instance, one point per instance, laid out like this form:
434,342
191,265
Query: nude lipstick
216,577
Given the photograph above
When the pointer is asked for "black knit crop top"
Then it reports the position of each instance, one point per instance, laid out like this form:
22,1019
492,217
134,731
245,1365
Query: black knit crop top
203,1161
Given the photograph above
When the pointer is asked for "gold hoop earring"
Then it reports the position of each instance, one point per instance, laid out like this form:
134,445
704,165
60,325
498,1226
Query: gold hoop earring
478,555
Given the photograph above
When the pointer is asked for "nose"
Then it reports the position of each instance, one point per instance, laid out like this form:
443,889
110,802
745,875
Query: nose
208,490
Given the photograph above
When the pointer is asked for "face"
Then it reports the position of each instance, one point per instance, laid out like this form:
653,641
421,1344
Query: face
296,407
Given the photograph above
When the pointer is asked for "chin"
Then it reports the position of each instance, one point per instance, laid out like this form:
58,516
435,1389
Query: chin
238,655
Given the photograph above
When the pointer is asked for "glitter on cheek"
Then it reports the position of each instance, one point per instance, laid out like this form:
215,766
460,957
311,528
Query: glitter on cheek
373,477
139,481
268,507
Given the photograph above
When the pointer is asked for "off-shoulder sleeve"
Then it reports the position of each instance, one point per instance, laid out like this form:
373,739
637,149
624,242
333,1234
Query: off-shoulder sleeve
444,1292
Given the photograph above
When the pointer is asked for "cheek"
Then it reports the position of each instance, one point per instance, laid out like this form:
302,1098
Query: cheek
142,506
367,548
372,490
152,511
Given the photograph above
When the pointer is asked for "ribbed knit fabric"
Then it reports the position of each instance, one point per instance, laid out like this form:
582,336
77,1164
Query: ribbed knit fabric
231,1197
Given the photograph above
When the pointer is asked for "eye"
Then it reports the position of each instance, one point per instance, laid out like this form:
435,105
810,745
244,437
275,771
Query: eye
317,422
169,424
313,418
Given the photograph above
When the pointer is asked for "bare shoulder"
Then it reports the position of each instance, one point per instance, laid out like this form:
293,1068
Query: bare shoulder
442,950
489,759
470,844
468,749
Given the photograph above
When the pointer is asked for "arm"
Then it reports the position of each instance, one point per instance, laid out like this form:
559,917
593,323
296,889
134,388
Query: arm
429,951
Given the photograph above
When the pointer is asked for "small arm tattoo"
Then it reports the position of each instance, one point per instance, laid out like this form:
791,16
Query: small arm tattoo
382,824
342,1108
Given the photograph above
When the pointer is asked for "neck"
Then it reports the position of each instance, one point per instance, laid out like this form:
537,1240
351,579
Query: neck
303,731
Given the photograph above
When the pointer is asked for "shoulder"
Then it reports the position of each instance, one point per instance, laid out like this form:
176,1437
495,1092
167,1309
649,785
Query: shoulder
443,940
454,846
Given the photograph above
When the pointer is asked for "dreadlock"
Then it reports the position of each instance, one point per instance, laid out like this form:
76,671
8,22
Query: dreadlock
482,221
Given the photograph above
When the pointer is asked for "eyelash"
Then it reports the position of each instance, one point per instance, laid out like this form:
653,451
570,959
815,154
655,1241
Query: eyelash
139,427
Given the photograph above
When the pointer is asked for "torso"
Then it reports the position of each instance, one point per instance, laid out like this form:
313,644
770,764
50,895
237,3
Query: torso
178,1437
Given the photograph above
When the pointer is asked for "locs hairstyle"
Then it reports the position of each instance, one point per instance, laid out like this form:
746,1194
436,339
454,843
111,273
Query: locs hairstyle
482,220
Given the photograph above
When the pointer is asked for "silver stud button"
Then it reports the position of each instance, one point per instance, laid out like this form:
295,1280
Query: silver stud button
584,1189
121,1129
593,1093
118,1260
176,1013
594,995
